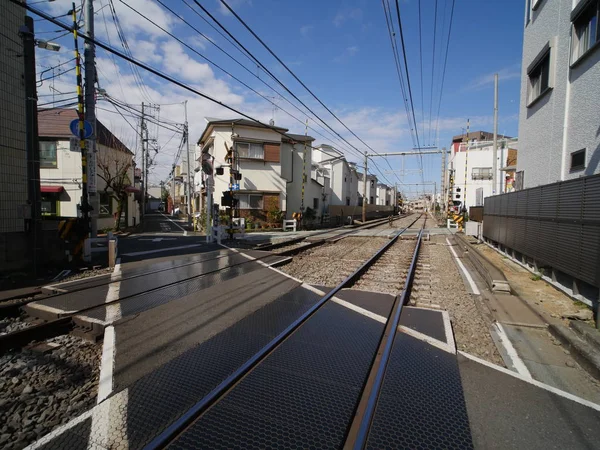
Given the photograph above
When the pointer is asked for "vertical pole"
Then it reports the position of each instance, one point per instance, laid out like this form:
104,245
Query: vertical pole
466,173
32,143
364,205
443,211
143,140
89,54
189,185
304,177
495,148
209,187
85,207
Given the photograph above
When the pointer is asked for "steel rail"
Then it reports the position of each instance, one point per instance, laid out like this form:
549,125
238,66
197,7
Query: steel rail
168,434
364,426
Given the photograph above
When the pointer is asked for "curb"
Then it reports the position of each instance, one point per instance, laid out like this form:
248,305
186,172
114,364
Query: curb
492,275
583,352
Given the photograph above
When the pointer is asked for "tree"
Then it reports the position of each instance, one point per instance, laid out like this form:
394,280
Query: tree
113,168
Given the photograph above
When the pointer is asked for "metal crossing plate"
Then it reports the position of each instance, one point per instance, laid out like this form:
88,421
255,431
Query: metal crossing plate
303,395
421,403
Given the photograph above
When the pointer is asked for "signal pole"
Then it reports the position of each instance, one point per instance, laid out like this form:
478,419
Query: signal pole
143,138
364,205
189,186
495,148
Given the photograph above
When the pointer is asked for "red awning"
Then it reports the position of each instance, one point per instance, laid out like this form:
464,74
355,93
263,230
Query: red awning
52,189
132,189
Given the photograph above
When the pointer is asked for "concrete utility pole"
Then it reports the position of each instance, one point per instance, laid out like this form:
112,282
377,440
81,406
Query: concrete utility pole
495,149
89,55
189,185
144,177
32,143
364,205
443,183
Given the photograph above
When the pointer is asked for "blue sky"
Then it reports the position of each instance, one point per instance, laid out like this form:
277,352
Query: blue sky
339,49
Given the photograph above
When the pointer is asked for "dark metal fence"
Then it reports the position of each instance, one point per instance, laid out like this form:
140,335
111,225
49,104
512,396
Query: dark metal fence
555,225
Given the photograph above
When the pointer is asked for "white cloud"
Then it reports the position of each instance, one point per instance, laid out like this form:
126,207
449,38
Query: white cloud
305,30
507,73
348,53
345,15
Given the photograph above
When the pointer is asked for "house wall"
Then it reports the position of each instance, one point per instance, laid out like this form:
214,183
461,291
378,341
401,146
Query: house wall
566,118
257,176
371,188
68,174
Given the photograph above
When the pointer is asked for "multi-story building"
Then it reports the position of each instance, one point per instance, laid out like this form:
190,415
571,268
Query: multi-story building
560,92
258,158
371,189
60,170
475,161
343,176
384,195
13,154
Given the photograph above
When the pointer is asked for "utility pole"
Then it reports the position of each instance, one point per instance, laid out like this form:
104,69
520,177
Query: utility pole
466,171
364,205
443,183
189,185
89,55
495,150
144,177
32,143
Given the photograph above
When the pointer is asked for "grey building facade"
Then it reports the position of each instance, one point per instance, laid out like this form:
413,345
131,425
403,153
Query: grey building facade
559,124
13,154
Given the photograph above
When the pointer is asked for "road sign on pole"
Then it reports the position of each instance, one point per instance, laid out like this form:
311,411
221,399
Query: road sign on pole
87,128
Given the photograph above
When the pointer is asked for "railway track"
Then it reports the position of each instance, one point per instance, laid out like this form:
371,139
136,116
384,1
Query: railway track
280,402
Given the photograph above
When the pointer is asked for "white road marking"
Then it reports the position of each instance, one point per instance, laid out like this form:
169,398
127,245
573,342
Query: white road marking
425,338
262,263
517,362
113,312
464,270
174,223
358,309
536,383
158,239
148,252
448,330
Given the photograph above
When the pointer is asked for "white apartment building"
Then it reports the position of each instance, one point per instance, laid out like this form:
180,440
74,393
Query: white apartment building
60,169
263,186
384,195
560,92
475,161
297,157
371,189
343,176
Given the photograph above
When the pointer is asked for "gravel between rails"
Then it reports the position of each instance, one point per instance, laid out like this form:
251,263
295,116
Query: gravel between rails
291,247
329,264
388,273
39,392
438,282
12,324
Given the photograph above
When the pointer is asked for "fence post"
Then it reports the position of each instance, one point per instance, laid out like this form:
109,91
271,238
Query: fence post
112,253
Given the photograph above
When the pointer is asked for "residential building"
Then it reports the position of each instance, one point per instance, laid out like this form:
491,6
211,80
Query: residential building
371,189
384,195
560,86
297,157
13,153
60,169
342,174
475,162
258,157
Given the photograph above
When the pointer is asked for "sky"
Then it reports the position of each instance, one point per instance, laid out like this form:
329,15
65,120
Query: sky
341,51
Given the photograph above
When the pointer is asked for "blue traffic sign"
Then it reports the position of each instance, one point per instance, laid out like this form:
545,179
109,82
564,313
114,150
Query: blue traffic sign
87,128
235,187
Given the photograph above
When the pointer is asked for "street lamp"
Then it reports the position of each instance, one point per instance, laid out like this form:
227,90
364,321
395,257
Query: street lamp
52,46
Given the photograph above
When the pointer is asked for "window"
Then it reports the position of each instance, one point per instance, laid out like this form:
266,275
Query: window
371,201
105,205
249,150
48,154
539,78
250,201
481,173
50,205
585,30
347,201
372,183
315,203
578,160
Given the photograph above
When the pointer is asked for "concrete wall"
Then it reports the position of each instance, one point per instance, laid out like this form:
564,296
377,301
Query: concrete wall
566,118
373,212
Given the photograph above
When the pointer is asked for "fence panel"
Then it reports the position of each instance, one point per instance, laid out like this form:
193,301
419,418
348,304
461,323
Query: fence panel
558,225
